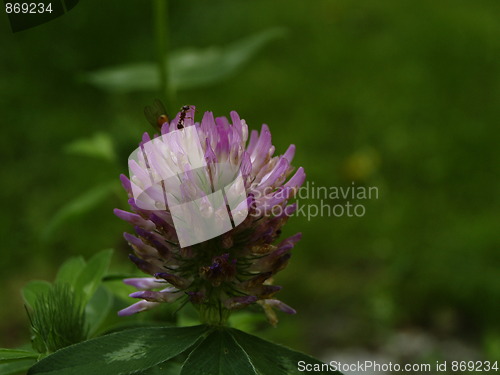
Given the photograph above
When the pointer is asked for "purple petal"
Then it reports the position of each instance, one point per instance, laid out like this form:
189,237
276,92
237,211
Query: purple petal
267,203
144,266
235,119
262,149
175,280
290,153
153,296
210,156
291,240
140,247
290,209
246,164
268,290
156,241
280,305
126,183
297,179
256,280
207,122
278,171
145,138
134,219
144,283
222,148
137,307
239,302
254,137
165,128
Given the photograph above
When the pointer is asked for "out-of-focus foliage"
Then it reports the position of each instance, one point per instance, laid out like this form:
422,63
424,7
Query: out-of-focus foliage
188,67
73,308
398,95
78,206
67,312
100,145
205,349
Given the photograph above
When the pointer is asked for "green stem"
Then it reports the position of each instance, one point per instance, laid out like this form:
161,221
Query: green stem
162,49
214,315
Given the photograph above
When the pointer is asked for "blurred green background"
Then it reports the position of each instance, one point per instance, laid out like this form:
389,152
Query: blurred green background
400,95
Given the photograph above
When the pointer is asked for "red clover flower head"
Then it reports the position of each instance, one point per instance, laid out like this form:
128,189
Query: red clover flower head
207,206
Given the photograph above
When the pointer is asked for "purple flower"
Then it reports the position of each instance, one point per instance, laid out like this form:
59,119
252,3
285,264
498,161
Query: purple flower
208,206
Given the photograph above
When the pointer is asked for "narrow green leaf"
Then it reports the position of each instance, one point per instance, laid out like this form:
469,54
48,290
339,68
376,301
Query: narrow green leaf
8,354
79,206
33,289
69,271
273,359
98,309
16,366
120,353
120,290
100,145
141,76
218,354
91,276
195,67
57,319
189,68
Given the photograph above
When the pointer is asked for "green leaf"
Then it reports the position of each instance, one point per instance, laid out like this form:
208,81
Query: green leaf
141,76
57,319
120,353
195,67
100,145
16,366
218,354
272,359
33,289
98,308
120,290
69,271
79,206
166,368
91,276
189,67
9,354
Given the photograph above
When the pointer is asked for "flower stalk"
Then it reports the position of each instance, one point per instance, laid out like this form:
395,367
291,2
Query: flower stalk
160,10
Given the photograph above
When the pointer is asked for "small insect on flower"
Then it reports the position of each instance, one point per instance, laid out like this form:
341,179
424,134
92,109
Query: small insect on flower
182,116
209,200
156,114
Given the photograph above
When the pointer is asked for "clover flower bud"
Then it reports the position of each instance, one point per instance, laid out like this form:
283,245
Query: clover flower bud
208,201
